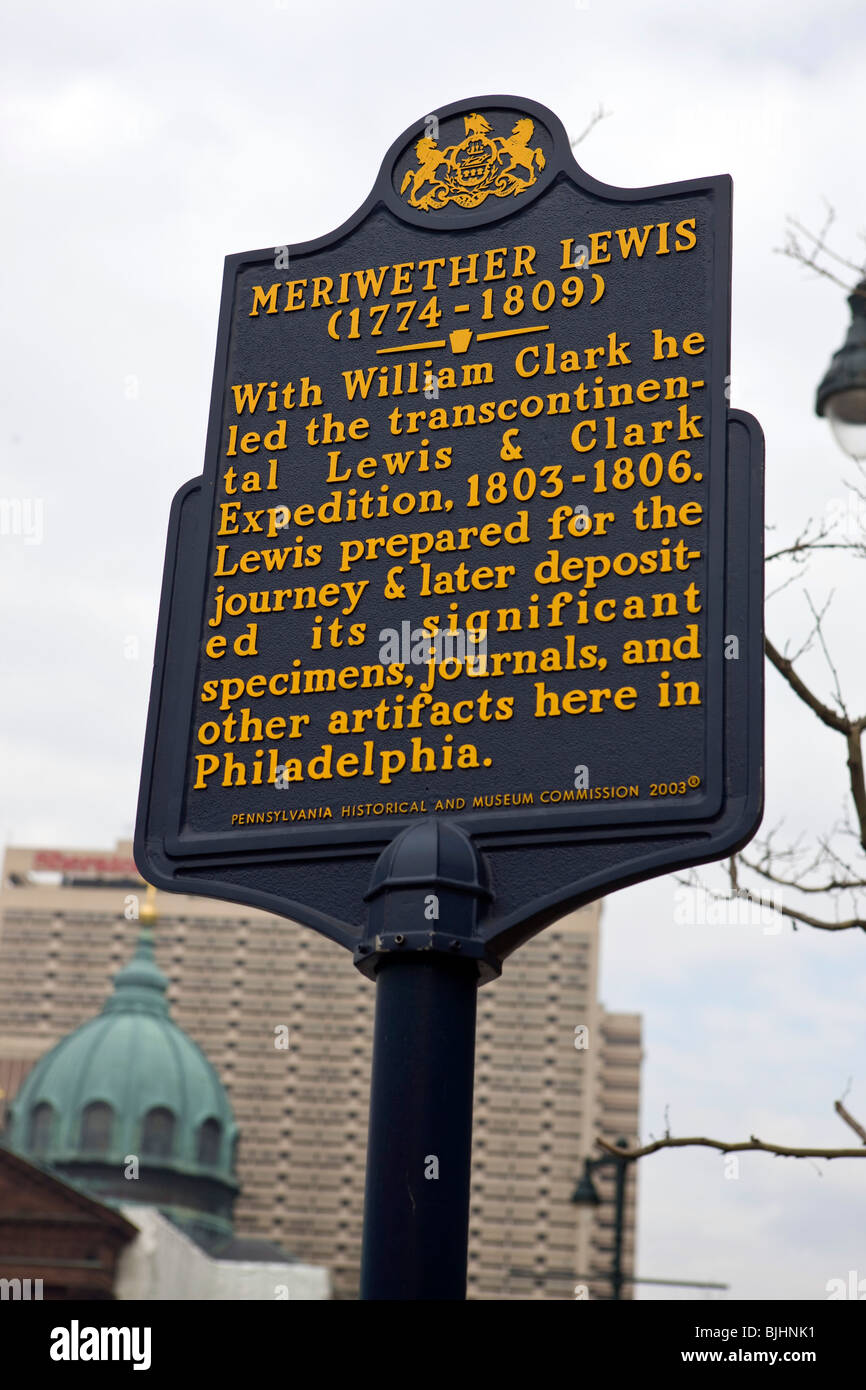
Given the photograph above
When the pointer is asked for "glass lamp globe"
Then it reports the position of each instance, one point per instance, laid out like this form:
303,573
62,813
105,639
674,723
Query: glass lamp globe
846,411
842,394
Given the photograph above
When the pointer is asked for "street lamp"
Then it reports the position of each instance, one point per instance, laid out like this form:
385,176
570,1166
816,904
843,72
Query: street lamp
586,1194
842,394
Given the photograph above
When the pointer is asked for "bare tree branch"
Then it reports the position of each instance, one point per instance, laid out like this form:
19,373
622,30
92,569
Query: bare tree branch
819,632
795,913
856,775
795,253
849,1119
724,1146
598,115
780,588
801,548
806,542
752,1144
809,259
813,633
831,885
820,242
826,865
786,669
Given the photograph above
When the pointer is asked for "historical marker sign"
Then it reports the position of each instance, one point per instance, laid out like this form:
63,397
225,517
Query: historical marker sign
478,538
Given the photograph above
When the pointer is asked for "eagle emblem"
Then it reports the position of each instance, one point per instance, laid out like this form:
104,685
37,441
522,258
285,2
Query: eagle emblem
468,173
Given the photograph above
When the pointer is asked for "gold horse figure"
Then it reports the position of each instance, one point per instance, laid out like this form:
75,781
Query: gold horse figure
429,158
522,157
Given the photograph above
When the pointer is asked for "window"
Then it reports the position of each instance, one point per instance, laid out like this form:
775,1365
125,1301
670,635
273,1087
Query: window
157,1133
41,1124
209,1139
97,1120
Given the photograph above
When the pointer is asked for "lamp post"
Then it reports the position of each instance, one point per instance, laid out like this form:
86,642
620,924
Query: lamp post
841,396
586,1194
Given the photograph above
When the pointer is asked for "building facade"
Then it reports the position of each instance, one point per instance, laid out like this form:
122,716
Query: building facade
287,1022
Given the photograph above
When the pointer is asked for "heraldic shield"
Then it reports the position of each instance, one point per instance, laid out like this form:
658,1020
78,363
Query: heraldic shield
481,165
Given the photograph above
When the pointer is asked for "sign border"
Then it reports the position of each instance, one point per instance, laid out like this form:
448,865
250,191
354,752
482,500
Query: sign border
163,850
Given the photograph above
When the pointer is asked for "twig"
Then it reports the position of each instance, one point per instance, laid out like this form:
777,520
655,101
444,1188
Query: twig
819,631
849,1119
597,116
786,669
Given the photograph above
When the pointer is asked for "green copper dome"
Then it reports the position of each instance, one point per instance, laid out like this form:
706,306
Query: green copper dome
129,1106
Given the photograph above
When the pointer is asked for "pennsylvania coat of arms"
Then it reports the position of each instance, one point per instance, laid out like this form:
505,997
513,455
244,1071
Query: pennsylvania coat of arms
468,173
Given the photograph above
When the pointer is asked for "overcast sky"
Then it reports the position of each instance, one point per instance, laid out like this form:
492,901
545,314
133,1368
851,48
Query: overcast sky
140,145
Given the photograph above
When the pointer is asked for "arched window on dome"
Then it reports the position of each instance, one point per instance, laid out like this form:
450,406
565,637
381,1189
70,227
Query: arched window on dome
210,1135
97,1120
157,1133
40,1127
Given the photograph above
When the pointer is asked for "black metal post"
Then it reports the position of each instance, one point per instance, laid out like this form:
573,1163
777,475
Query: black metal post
586,1194
416,1210
619,1224
425,897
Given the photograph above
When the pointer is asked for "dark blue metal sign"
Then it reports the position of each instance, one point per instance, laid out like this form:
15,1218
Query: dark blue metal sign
478,543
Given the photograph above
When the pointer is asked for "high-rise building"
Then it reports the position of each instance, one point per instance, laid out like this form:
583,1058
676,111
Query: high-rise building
287,1022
